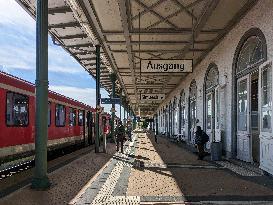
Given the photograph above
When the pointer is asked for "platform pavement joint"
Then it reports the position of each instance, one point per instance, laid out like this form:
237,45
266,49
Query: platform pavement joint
112,173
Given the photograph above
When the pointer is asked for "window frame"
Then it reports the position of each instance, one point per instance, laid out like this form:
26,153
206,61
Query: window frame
80,124
26,125
250,64
57,104
74,110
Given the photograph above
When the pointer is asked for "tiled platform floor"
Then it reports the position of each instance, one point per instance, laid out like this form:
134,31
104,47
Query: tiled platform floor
152,173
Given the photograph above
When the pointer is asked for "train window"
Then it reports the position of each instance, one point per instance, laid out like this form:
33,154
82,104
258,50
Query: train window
49,115
80,118
60,115
17,109
72,116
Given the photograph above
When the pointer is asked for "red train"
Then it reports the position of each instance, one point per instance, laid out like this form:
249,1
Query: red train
70,122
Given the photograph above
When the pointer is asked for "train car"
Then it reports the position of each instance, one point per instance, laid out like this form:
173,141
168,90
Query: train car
69,121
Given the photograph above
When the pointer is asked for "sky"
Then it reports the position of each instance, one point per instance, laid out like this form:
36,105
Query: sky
18,57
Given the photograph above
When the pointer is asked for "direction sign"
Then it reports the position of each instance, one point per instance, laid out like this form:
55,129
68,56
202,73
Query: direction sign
166,66
110,100
152,97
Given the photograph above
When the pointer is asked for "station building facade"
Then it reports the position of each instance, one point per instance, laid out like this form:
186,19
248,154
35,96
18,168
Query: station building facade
229,93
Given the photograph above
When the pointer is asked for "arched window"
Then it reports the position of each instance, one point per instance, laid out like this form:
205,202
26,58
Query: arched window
212,77
250,52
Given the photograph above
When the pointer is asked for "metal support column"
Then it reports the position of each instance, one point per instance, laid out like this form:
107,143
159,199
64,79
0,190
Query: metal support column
40,179
113,79
97,98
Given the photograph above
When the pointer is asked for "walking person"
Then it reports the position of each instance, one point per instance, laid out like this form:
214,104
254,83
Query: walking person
120,135
201,138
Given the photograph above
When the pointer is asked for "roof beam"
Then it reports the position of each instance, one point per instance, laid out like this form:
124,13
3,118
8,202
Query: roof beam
200,23
61,9
198,26
148,9
159,51
184,8
155,13
194,3
87,59
81,45
83,52
125,24
158,42
90,13
238,16
64,25
163,31
93,64
80,35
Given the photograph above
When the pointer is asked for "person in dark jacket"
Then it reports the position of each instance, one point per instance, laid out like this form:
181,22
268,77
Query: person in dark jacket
120,135
200,141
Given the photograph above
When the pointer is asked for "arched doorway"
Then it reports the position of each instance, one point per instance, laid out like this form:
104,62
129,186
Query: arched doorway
182,126
175,116
167,120
250,53
170,118
192,110
212,104
161,120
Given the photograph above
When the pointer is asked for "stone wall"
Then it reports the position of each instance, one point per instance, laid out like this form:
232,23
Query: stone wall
261,16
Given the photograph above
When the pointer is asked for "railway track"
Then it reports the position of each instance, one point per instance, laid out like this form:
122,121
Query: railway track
21,178
15,167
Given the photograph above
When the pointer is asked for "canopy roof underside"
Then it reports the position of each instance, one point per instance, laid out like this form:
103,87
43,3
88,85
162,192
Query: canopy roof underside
131,30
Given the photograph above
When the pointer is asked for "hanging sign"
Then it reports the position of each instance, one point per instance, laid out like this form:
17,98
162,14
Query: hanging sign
110,100
152,97
166,66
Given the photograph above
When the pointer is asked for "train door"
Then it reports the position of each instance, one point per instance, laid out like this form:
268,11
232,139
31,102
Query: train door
89,127
84,128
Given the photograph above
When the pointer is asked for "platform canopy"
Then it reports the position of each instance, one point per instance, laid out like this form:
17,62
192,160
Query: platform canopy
131,30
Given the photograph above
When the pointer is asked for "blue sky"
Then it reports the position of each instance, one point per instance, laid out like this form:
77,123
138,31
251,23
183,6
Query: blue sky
17,57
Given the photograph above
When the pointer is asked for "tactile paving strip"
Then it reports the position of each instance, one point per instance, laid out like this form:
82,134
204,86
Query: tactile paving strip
105,195
237,169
